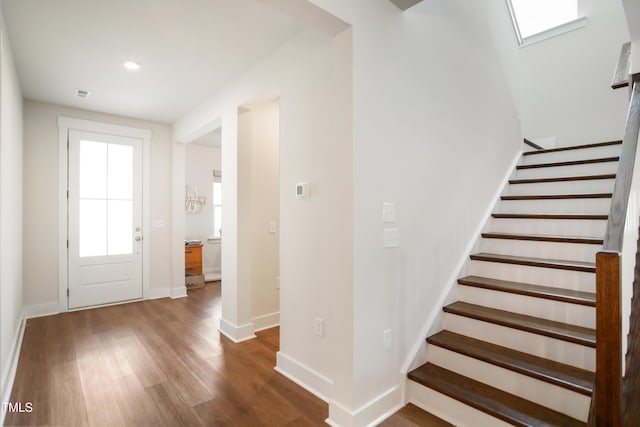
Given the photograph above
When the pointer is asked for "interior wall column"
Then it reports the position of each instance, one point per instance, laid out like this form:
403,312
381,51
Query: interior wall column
236,321
177,221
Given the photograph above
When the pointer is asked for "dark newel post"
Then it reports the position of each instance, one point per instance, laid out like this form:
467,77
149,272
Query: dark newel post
608,340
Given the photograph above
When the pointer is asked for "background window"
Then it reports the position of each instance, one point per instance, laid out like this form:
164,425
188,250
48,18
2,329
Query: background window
217,204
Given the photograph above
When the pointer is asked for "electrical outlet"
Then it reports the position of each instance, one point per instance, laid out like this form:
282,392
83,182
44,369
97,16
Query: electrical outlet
318,326
386,339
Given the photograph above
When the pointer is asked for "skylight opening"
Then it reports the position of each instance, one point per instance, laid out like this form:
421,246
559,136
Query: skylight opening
531,17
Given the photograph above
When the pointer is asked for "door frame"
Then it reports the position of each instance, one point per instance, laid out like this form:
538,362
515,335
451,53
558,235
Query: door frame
64,124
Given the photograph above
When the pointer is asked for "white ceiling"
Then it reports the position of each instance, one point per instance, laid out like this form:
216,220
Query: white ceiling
188,49
211,139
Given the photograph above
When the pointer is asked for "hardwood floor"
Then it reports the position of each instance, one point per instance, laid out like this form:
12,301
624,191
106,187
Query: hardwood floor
154,363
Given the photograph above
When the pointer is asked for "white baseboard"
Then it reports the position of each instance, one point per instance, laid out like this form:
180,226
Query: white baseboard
9,370
155,293
40,310
312,381
266,321
179,292
236,333
212,276
371,413
436,312
48,309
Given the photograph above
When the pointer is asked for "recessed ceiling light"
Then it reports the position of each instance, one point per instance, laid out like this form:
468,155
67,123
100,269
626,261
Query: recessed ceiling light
132,65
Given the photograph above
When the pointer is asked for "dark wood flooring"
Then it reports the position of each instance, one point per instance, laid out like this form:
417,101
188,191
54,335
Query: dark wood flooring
154,363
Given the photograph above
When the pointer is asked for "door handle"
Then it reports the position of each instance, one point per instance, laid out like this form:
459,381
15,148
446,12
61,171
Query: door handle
138,238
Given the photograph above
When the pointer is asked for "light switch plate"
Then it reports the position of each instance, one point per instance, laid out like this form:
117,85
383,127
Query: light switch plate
388,212
318,326
391,238
386,339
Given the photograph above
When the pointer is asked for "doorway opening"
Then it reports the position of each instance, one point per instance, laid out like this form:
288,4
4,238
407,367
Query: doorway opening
203,210
259,209
103,213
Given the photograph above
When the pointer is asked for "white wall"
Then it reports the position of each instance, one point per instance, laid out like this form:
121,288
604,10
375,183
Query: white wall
632,14
11,208
435,128
566,81
201,160
313,75
260,188
438,94
41,186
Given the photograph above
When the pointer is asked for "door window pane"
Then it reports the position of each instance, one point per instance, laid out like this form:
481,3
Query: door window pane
120,227
106,199
93,228
120,172
93,170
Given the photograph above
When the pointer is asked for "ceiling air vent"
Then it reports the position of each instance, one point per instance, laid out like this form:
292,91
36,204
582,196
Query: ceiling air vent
82,93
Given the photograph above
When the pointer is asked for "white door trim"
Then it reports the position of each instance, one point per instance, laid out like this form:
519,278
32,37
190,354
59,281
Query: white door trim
64,124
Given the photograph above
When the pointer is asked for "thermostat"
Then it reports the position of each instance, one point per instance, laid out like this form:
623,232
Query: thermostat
302,190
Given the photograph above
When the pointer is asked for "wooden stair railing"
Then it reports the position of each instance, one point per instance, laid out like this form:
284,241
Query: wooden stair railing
614,274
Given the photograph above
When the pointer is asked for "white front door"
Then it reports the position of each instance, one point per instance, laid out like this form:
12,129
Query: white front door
105,219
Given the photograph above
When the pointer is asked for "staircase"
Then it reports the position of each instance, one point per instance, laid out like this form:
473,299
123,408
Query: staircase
518,346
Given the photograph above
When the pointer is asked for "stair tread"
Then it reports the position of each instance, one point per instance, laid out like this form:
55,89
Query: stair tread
490,400
563,179
588,267
544,238
569,163
538,291
573,147
550,216
411,415
558,196
569,377
562,331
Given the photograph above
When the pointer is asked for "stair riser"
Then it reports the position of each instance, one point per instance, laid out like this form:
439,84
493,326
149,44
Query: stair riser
449,409
538,345
549,227
552,250
562,187
575,280
545,309
562,171
560,399
555,206
571,155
